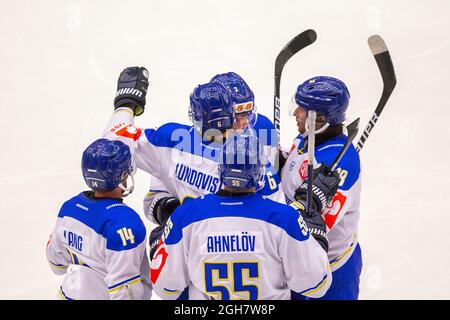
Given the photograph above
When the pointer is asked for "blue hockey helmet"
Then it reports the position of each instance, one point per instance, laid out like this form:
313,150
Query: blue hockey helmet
211,107
327,96
243,164
242,95
106,165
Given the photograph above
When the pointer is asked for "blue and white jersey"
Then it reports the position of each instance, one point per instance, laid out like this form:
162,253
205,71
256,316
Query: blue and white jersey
107,239
244,247
342,214
267,136
182,164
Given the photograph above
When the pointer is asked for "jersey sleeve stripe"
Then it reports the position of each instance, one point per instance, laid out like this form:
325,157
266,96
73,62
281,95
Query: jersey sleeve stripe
346,252
316,288
119,286
60,266
170,292
63,295
156,190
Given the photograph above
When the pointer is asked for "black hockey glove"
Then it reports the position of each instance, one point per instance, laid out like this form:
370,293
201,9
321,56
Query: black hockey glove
164,208
132,88
153,240
315,223
325,185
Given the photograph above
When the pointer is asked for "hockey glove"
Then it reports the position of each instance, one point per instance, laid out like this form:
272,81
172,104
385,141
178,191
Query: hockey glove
164,208
315,223
154,238
325,185
132,88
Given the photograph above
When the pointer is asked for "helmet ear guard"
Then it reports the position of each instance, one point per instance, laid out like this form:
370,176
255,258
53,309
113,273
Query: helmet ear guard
124,186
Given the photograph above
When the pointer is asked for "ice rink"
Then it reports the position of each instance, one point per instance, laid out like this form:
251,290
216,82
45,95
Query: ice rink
60,60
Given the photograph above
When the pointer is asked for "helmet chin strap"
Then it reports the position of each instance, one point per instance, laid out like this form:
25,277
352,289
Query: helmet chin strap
317,131
127,190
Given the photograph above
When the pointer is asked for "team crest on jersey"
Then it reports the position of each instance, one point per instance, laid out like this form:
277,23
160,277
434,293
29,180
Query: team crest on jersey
292,165
303,170
158,261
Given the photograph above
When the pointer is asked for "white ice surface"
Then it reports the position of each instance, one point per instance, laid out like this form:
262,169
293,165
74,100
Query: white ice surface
59,62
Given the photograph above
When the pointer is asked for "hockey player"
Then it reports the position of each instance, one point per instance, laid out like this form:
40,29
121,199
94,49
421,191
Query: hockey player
159,199
329,97
183,159
244,103
237,245
99,242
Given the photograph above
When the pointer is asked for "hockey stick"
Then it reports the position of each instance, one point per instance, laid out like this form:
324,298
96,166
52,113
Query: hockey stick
299,42
311,147
384,62
352,131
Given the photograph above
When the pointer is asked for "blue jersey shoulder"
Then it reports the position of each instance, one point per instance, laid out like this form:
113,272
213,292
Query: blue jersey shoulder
265,131
91,212
252,207
271,181
103,215
350,162
168,135
184,138
262,122
125,229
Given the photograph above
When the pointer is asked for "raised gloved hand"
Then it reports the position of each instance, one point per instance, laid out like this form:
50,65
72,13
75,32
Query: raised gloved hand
132,88
325,185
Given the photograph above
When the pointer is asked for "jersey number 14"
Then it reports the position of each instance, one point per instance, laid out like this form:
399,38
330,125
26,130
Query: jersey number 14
126,235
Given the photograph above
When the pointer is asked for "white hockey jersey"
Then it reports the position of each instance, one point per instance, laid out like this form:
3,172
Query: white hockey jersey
266,133
342,214
242,247
182,163
105,240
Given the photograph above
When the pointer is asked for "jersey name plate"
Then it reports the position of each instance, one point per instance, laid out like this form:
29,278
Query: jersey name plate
230,242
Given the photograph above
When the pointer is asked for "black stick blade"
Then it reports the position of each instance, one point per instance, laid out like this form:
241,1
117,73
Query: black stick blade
384,62
299,42
352,131
386,68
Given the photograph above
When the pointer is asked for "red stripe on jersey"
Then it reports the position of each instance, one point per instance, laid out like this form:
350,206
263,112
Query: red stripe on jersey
331,212
127,131
158,261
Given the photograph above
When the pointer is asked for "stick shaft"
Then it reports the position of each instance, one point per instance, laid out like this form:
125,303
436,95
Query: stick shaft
311,146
